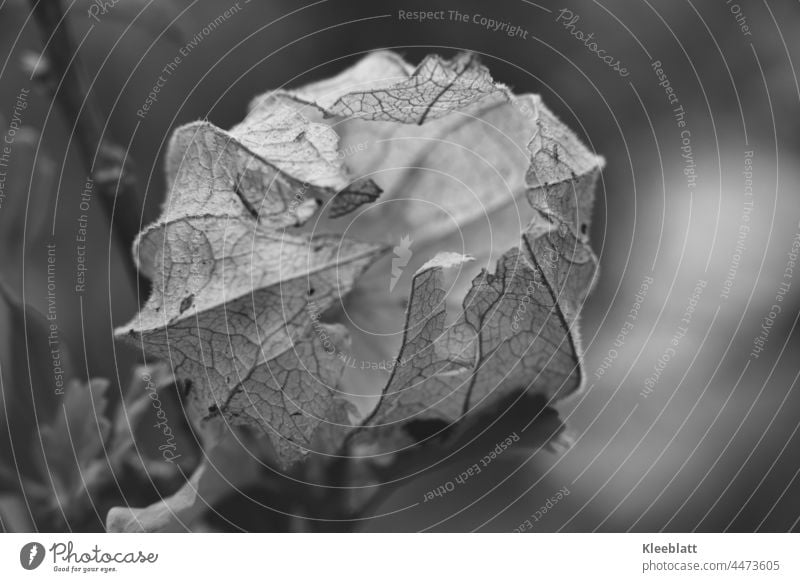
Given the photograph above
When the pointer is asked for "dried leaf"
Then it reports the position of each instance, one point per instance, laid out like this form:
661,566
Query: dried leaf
231,286
436,88
517,332
233,283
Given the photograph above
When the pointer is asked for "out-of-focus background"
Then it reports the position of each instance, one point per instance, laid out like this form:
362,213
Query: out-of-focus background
682,425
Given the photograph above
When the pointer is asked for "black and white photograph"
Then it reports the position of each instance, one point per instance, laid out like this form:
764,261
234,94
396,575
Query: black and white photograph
326,267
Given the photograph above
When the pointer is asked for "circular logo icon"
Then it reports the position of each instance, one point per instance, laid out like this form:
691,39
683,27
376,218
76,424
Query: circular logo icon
31,555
